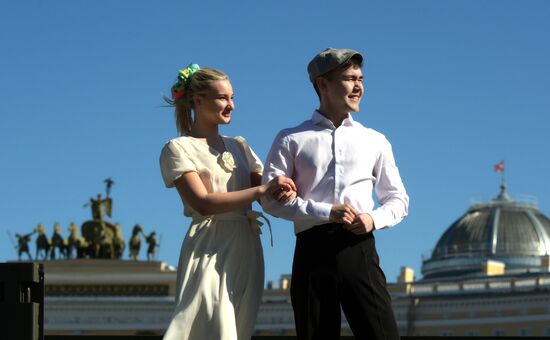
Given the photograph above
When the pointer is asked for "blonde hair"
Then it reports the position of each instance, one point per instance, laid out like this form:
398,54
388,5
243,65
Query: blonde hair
199,84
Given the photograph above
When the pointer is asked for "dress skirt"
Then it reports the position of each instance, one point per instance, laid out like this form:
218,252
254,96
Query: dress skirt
219,280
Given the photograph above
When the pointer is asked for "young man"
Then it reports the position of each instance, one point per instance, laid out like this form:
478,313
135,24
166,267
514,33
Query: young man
336,164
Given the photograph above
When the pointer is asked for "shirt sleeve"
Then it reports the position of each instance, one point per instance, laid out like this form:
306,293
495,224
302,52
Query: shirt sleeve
254,161
174,162
280,161
390,191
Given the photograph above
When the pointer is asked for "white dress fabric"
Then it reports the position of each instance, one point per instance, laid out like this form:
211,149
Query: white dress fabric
221,267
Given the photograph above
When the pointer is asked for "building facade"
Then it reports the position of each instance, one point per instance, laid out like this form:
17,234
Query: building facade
488,275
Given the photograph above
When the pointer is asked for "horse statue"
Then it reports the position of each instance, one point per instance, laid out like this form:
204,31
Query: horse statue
135,242
118,242
42,243
75,243
57,242
99,236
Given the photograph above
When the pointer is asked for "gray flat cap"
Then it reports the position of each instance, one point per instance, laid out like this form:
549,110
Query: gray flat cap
329,59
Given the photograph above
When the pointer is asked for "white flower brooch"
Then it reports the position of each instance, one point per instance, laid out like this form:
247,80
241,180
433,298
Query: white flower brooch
227,161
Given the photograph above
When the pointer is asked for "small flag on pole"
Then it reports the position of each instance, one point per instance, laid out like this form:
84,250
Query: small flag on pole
499,167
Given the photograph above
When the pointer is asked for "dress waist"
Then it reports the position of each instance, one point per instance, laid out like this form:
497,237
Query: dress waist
221,217
251,216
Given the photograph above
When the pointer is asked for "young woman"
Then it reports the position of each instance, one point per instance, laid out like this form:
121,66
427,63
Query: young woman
221,270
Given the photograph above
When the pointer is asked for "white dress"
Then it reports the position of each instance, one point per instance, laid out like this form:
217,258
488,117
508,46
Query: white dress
221,267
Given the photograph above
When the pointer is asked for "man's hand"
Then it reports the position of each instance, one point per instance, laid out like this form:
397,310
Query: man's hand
283,195
362,224
282,189
342,213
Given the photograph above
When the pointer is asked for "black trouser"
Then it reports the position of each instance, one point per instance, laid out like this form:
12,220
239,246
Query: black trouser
334,267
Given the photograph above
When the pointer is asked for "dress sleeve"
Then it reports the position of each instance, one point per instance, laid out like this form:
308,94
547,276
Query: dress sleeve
254,162
174,162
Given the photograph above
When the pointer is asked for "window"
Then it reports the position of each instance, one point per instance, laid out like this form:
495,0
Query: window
524,332
524,311
499,332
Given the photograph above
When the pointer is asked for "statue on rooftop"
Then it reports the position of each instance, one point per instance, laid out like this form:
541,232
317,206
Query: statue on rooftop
42,243
57,242
23,245
152,246
99,205
100,234
76,244
108,184
118,242
135,242
99,237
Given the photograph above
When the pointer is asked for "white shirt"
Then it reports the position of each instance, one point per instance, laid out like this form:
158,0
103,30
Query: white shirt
332,165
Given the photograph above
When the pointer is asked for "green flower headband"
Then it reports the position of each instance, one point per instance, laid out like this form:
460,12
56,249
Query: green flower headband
182,79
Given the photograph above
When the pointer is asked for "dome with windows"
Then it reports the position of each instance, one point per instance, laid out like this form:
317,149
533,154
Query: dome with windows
514,233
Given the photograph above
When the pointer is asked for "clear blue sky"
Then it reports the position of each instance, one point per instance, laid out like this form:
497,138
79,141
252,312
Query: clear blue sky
456,86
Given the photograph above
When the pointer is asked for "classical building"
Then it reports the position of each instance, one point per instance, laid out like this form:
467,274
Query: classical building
488,275
99,296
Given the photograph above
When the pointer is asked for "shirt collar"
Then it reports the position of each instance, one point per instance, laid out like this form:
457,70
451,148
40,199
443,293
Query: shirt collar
318,119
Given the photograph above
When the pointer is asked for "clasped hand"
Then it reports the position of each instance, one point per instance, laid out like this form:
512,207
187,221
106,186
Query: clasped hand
281,189
351,219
